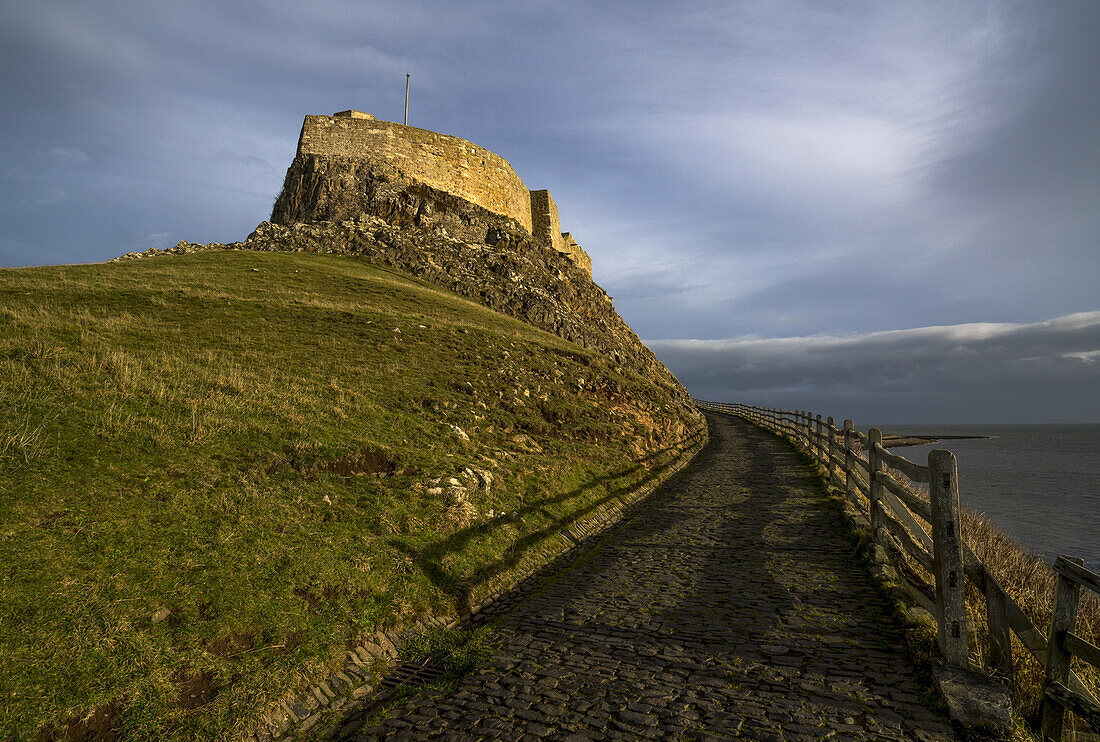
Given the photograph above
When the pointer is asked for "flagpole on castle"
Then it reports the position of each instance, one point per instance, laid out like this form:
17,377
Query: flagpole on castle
406,99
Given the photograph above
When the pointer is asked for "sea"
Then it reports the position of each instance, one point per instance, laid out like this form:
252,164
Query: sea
1039,483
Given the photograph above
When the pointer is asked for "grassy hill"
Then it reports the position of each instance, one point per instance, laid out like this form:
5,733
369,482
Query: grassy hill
217,470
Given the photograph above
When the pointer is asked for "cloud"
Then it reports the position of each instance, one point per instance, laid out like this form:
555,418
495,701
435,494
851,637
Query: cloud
938,373
67,155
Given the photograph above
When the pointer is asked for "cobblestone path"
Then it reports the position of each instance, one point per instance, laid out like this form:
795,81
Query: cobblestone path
728,606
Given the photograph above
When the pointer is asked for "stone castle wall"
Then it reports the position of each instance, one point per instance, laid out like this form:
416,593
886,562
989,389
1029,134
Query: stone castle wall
573,251
545,226
445,163
441,161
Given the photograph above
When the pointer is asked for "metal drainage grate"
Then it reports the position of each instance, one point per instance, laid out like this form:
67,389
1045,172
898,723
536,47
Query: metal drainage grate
412,674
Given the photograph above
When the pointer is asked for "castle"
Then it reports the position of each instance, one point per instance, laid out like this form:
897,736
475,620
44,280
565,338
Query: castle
334,151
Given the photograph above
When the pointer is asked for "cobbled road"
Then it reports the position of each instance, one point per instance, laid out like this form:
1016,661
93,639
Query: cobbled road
729,605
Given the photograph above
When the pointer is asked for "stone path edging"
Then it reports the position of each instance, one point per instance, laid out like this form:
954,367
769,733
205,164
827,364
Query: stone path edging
302,714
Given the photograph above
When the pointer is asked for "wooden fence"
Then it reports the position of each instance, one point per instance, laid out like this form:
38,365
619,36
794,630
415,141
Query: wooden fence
872,478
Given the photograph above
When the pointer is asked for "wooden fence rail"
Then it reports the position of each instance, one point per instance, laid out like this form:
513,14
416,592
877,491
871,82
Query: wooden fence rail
1063,645
870,475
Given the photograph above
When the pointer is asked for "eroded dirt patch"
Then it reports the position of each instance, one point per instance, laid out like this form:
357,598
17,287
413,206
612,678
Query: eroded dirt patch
318,595
195,689
364,461
98,726
231,644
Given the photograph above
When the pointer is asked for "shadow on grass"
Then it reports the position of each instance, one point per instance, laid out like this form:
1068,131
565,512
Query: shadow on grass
430,559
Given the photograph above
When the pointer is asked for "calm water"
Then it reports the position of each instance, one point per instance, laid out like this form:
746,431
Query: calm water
1040,483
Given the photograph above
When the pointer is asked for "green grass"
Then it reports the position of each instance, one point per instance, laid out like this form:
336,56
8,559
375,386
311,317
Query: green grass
228,466
456,652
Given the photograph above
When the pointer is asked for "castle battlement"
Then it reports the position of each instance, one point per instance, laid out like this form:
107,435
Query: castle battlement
443,162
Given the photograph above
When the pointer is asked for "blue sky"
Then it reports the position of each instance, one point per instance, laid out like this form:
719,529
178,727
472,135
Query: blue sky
823,205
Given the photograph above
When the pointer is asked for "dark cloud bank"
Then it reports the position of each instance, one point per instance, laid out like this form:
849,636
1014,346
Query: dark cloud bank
1045,371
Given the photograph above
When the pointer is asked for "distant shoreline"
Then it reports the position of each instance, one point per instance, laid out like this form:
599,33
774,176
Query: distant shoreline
897,440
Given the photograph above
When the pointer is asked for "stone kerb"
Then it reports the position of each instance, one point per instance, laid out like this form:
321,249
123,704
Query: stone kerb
441,161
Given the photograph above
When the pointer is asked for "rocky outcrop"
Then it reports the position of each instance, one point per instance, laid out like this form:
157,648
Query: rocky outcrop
338,189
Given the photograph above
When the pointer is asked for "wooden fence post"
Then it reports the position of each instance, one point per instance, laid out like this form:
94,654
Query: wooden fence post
818,439
876,491
1000,636
834,476
947,557
1066,597
849,457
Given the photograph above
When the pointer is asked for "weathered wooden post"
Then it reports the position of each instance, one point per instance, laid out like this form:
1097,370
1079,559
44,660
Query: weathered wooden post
1000,637
849,457
1067,594
819,439
876,491
834,475
947,561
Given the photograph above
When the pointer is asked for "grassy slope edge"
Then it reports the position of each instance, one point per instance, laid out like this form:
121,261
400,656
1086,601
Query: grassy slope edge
218,469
